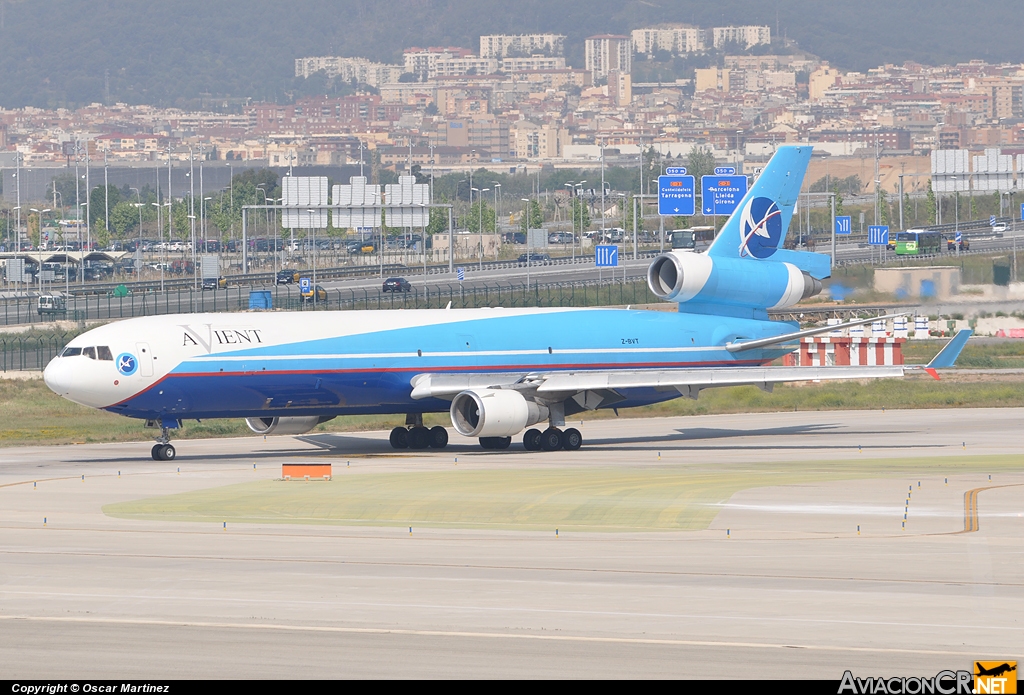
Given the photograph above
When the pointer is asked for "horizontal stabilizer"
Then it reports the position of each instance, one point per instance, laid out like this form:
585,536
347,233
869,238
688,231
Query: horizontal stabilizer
948,355
817,265
797,335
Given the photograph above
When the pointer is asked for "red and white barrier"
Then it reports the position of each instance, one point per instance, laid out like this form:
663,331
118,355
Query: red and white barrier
829,351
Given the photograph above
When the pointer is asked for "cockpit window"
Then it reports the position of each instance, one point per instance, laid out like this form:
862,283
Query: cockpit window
71,352
90,352
103,353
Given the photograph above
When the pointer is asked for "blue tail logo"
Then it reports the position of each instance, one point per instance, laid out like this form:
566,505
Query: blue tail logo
761,228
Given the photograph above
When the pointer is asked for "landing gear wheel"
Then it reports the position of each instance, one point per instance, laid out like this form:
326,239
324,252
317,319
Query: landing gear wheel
531,440
438,437
572,439
167,452
551,440
399,438
157,452
503,442
419,438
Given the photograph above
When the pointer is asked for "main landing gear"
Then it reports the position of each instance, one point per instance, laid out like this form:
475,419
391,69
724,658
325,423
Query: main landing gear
552,439
415,436
162,450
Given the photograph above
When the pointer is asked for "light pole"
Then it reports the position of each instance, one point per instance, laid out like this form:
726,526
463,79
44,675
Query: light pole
160,226
17,177
572,218
81,251
480,209
231,198
526,226
578,194
138,205
497,193
956,212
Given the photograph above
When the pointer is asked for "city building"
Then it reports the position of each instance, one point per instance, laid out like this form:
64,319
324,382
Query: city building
673,38
608,52
518,45
745,36
349,69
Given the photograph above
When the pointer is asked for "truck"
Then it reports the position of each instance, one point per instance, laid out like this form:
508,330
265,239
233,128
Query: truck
51,305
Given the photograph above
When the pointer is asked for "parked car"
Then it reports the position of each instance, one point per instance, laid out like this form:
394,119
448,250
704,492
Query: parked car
396,285
214,283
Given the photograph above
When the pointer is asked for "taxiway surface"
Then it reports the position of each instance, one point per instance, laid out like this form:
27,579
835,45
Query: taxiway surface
779,584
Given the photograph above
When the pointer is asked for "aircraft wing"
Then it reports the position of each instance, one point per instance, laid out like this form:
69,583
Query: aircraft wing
687,381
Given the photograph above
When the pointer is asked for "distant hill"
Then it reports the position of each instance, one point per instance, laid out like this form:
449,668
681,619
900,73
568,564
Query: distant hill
70,52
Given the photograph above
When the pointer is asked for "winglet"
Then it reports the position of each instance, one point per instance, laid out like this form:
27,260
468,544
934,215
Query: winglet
947,355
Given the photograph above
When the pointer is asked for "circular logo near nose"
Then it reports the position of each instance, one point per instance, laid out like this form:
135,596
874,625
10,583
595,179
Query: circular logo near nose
127,364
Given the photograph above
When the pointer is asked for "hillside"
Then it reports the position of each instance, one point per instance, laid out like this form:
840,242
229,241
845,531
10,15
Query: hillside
69,52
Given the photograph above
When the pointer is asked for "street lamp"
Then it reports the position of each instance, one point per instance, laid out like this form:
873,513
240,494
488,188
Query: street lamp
138,205
480,204
81,251
526,226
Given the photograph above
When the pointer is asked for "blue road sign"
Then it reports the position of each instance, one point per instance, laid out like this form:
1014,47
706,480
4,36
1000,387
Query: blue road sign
878,235
721,194
843,225
676,195
304,285
606,256
725,171
675,171
991,220
461,274
959,237
1022,211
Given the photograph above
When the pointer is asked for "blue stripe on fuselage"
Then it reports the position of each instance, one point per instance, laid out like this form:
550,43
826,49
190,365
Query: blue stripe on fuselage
371,372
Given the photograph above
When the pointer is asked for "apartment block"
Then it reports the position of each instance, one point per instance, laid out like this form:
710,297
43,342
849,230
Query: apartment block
746,36
453,67
674,38
486,135
515,45
537,62
422,62
608,52
358,69
1006,96
711,80
532,141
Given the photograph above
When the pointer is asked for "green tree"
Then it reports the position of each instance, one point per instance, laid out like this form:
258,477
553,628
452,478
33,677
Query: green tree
124,219
534,219
839,199
438,223
883,206
98,203
580,213
478,211
930,208
700,162
908,208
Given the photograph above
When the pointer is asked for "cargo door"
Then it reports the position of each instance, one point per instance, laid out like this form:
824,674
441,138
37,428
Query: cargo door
145,359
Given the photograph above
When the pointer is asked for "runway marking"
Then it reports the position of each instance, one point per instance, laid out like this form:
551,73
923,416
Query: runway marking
971,523
486,635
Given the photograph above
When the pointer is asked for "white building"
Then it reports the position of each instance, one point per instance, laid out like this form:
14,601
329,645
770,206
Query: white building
746,36
423,61
674,38
537,62
608,52
471,65
358,69
505,45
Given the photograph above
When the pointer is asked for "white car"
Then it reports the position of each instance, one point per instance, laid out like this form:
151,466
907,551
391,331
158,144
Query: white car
1000,227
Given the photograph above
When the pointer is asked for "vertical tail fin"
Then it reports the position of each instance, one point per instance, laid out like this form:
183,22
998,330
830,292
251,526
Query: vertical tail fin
757,229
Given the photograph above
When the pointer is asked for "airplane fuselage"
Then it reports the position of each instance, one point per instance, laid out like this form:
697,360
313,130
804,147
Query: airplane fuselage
198,366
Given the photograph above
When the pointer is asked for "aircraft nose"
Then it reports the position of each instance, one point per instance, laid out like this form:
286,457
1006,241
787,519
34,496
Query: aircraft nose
57,376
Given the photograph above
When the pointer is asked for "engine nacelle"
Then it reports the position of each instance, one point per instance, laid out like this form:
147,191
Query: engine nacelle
284,425
494,413
682,276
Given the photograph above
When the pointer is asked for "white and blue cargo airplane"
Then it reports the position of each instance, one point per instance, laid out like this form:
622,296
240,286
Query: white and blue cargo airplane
496,371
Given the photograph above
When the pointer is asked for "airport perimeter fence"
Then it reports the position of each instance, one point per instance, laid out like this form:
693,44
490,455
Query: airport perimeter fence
32,351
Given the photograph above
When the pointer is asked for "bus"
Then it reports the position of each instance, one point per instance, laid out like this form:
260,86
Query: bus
918,242
692,239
